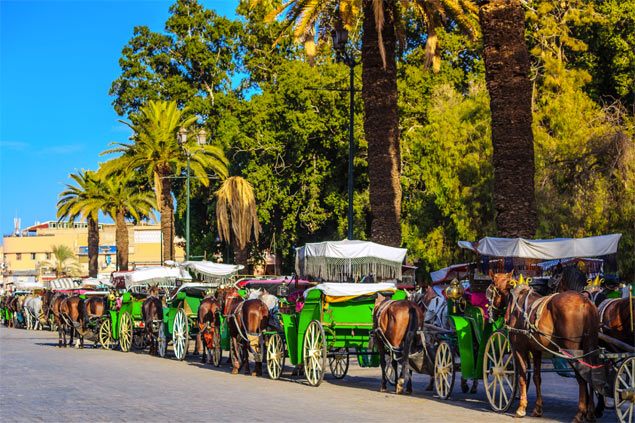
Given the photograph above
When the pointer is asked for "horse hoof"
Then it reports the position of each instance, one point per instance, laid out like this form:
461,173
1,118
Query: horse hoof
599,413
383,389
590,417
473,390
254,373
234,371
537,412
520,414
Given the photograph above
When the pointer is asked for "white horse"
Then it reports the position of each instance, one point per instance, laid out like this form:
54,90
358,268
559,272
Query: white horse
32,311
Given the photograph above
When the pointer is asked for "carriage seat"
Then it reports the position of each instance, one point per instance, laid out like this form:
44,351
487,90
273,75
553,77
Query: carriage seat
478,299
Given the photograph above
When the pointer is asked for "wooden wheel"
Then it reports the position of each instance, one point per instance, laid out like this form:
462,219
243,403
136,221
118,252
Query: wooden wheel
444,370
338,362
314,353
125,332
217,350
624,391
180,334
499,372
275,356
105,334
163,340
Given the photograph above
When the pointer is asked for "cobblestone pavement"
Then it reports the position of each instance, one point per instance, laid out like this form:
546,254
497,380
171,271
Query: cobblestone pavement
40,382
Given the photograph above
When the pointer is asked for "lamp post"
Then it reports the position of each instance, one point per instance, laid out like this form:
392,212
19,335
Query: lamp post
201,138
340,39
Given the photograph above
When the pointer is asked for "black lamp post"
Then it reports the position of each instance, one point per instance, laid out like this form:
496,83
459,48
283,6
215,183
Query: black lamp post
340,39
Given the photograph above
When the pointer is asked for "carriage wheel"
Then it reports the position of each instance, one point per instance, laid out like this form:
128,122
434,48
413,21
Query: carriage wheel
180,334
217,350
314,353
444,370
163,340
624,391
105,334
338,362
499,372
125,332
275,356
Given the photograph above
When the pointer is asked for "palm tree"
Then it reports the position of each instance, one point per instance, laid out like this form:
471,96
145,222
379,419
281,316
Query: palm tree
65,263
157,154
507,76
379,81
83,200
237,195
121,197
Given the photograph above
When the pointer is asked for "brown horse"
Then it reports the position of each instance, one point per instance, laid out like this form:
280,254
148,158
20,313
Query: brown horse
152,314
564,324
51,302
246,321
209,320
12,306
395,325
73,318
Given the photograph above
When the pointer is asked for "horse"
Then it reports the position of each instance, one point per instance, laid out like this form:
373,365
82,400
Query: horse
395,325
209,321
12,308
96,308
73,317
152,312
246,320
567,278
558,323
51,304
33,308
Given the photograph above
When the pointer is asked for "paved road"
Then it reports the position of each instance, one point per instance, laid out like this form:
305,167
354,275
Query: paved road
40,382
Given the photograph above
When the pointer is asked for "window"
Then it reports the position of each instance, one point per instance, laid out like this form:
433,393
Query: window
18,256
48,256
32,256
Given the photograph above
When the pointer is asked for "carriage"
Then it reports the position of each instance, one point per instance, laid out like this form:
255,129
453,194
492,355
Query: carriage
180,316
616,375
334,320
124,323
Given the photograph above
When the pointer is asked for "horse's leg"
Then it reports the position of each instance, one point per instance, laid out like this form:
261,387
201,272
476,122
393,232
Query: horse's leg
235,355
258,358
521,360
537,380
590,407
582,400
474,386
599,410
399,376
382,360
245,353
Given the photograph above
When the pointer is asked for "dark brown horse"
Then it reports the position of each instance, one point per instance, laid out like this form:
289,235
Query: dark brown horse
73,318
12,307
51,302
565,324
395,326
246,321
152,314
209,321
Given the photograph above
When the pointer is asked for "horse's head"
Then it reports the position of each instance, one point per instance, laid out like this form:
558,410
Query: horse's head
498,292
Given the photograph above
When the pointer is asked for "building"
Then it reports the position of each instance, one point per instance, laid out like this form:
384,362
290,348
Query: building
26,256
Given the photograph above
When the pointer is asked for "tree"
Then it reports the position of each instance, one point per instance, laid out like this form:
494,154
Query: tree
507,75
65,263
157,154
237,195
84,200
121,198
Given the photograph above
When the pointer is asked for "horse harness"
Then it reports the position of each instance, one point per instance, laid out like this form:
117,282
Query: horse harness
244,336
377,313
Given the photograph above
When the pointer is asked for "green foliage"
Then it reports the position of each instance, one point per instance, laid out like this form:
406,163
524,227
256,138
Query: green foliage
82,199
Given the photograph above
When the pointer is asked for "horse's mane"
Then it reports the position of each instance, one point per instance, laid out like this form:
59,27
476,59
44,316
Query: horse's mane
574,278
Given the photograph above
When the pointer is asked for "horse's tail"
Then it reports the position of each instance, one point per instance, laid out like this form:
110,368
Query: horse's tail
591,326
411,331
83,315
159,307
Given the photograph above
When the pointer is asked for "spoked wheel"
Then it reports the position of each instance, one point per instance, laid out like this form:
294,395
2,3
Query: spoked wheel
275,356
180,334
444,370
499,372
391,375
105,334
624,391
314,353
125,332
163,340
217,350
338,362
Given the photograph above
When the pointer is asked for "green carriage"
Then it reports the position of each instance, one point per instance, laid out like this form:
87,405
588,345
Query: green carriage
125,325
180,315
336,318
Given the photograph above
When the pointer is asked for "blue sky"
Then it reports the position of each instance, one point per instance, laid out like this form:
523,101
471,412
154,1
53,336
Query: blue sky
57,61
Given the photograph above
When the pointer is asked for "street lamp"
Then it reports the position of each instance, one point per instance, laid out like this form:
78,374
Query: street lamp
339,36
201,138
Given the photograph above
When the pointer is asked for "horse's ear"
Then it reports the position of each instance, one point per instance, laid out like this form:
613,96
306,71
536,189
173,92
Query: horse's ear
511,274
491,275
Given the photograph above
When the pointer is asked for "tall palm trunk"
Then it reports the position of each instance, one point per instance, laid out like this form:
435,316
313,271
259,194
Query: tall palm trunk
381,125
93,246
122,240
506,72
240,257
167,210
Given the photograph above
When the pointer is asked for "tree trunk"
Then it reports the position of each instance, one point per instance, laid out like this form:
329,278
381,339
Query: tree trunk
93,247
122,240
381,125
507,75
167,211
241,255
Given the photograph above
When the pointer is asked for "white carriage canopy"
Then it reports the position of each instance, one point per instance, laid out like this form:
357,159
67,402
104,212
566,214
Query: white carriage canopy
213,273
525,256
90,283
153,276
61,284
28,286
352,289
456,271
342,260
